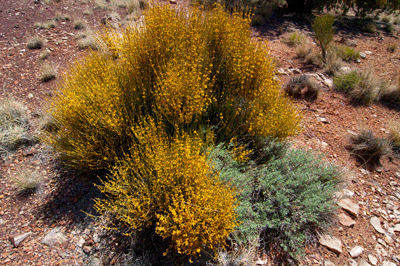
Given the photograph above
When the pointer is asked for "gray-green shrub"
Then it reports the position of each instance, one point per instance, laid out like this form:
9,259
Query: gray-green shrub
288,198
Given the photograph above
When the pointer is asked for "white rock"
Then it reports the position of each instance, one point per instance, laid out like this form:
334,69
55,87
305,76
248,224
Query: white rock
54,237
396,228
16,240
363,263
261,262
328,263
372,259
345,69
363,55
331,242
376,223
388,263
367,52
80,242
349,206
356,251
352,262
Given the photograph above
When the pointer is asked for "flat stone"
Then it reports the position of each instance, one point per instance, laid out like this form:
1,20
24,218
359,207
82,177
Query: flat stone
380,250
363,263
328,82
356,251
388,263
94,262
376,223
328,263
352,262
372,259
331,242
323,120
349,206
367,52
80,242
363,55
17,239
345,220
54,237
396,228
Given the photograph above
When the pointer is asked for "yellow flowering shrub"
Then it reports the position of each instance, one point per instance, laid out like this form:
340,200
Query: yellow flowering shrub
186,69
168,183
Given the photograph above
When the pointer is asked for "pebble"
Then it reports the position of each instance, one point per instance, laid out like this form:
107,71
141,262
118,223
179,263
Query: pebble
345,220
376,223
55,236
388,263
328,263
331,242
17,239
349,206
363,263
372,259
356,251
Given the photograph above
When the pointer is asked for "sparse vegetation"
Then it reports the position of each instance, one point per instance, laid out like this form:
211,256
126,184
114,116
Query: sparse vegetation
302,87
35,42
394,136
45,25
367,148
47,72
88,41
345,53
295,38
62,17
79,24
27,180
14,126
392,47
44,55
362,87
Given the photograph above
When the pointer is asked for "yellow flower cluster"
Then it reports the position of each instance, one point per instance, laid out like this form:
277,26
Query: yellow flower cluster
169,183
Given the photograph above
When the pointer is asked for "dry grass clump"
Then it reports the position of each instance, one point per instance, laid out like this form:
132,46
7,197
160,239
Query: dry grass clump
345,53
89,42
48,71
392,47
367,148
14,126
295,38
302,87
62,17
394,136
79,24
363,87
27,180
35,42
45,25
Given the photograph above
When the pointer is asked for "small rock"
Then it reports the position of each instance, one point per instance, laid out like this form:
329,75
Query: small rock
328,263
295,71
396,228
331,242
349,206
348,193
363,171
1,221
87,249
54,237
323,120
363,55
358,61
345,220
17,240
363,263
376,223
94,262
80,242
345,69
281,71
388,263
96,238
352,262
356,251
372,259
30,96
368,52
389,239
173,2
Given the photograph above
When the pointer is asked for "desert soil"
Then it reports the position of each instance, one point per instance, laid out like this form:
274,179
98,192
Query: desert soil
62,200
